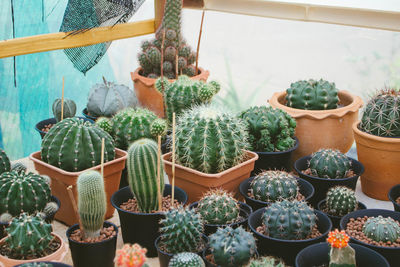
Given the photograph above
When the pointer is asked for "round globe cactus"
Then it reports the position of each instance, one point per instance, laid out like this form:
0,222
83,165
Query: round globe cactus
186,259
328,163
382,229
69,109
340,201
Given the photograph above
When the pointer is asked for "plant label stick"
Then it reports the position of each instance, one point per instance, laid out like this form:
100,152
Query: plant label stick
62,100
159,174
102,157
71,196
198,43
173,159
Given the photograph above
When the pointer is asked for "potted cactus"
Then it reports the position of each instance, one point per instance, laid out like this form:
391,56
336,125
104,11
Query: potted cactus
131,256
377,137
324,115
43,264
271,136
269,261
394,197
186,259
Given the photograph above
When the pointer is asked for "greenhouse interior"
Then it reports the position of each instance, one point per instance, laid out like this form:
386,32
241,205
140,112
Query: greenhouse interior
193,133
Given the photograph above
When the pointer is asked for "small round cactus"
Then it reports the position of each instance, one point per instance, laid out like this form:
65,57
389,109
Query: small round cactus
267,261
329,163
341,254
186,259
69,109
50,209
5,165
130,256
340,201
382,229
105,124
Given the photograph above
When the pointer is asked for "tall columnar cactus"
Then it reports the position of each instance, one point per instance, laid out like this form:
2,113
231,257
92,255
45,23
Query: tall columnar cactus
269,129
382,229
289,220
20,192
131,256
381,115
91,202
271,186
267,261
181,230
130,125
328,163
75,145
341,254
69,109
186,259
340,201
5,165
142,173
107,98
312,94
28,235
210,140
232,247
218,207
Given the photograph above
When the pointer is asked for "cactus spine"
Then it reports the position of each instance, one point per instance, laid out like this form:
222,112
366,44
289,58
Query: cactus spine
382,229
328,163
69,109
186,259
341,254
340,201
5,165
105,124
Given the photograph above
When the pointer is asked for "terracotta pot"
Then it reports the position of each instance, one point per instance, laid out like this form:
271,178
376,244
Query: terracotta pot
196,183
149,97
322,128
381,157
57,256
61,179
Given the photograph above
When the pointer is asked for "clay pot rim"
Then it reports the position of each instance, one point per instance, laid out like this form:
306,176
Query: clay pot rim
375,138
390,195
69,232
296,145
363,207
354,106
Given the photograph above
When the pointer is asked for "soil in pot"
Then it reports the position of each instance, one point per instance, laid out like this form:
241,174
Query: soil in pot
394,196
334,218
131,205
45,125
54,245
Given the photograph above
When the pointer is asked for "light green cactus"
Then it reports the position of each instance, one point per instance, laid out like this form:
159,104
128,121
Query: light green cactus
69,109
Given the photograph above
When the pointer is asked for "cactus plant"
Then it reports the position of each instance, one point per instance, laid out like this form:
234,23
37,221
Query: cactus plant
382,229
186,259
36,264
267,261
381,115
341,254
107,98
340,201
218,207
181,230
271,186
131,256
91,202
232,247
312,95
329,163
50,209
105,124
75,145
18,167
5,218
269,129
210,140
289,220
69,109
5,165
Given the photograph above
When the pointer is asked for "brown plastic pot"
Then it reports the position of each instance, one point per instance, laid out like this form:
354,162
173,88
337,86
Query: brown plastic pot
322,128
196,183
61,179
149,97
381,157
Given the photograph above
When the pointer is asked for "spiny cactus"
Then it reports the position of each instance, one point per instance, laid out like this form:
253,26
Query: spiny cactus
5,218
107,98
340,201
181,230
313,95
232,247
271,186
218,207
142,173
18,167
267,261
36,264
28,235
381,115
210,140
186,259
105,124
269,129
75,145
91,202
69,109
382,229
50,209
341,254
289,220
5,165
328,163
131,256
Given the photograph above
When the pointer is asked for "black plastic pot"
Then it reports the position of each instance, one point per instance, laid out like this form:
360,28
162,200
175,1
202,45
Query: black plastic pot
393,194
391,254
142,228
245,211
286,249
39,126
54,264
85,114
210,264
322,185
281,160
99,254
318,254
306,189
336,219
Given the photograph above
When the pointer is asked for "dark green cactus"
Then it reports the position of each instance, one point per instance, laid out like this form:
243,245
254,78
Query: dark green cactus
75,145
186,259
381,115
313,95
271,186
5,165
18,167
340,201
267,261
50,209
232,247
330,164
69,109
105,124
269,129
289,220
382,229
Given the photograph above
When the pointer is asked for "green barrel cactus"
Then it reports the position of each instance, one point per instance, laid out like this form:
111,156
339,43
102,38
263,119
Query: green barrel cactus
36,264
289,220
5,165
105,124
382,229
267,261
340,201
271,186
69,109
75,145
218,207
210,140
269,129
186,259
92,203
232,247
181,230
381,115
312,95
330,164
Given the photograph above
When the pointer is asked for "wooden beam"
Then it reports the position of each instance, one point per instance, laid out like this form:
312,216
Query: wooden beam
61,40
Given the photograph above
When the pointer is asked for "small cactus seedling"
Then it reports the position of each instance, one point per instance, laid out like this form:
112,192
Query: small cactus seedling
340,201
341,254
382,229
105,124
131,256
267,261
330,164
5,165
186,259
69,109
